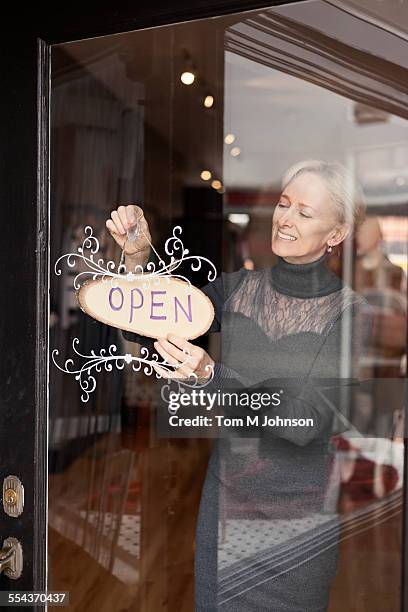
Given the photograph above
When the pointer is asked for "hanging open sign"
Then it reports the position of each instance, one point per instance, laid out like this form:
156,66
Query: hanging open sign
150,306
152,302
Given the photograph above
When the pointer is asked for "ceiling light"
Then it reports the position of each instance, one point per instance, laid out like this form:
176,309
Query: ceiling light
187,78
229,139
208,101
235,151
241,219
216,184
206,175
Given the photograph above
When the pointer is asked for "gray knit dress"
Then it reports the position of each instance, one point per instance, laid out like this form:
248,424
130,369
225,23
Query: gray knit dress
268,530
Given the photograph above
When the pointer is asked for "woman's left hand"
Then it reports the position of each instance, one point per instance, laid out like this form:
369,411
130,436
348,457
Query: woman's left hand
188,358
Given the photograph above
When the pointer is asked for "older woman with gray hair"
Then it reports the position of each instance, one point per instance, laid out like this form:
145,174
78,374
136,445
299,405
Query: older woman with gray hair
267,530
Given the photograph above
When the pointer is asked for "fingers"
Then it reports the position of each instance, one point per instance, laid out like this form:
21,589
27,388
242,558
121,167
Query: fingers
172,350
178,346
111,226
119,238
174,356
119,228
134,214
166,355
125,217
181,343
121,210
129,215
190,360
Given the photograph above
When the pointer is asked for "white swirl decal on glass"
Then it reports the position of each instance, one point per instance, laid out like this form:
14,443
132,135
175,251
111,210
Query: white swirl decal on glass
109,358
97,268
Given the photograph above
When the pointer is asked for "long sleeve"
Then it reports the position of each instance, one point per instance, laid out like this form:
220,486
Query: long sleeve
327,396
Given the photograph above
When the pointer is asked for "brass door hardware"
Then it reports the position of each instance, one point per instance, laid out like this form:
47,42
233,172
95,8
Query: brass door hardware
11,558
13,496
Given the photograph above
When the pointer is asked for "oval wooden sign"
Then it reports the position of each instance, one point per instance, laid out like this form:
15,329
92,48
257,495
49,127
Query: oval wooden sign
152,307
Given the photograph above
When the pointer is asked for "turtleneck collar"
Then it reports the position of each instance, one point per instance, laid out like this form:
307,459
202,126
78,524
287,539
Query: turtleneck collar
313,279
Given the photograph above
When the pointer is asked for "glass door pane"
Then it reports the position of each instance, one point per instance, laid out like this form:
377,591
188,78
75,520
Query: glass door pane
197,123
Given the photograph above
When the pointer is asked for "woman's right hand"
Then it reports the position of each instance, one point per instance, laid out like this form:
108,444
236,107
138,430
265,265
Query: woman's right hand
125,218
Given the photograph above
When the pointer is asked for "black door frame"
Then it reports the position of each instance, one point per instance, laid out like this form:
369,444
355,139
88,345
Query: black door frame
24,262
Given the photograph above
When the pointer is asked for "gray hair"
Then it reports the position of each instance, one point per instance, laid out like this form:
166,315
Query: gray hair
345,193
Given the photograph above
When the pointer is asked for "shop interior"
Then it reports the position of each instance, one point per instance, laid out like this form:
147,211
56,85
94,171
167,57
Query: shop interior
196,122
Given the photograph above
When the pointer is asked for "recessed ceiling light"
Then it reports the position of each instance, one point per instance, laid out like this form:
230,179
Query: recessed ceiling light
235,151
187,78
241,219
229,139
208,101
206,175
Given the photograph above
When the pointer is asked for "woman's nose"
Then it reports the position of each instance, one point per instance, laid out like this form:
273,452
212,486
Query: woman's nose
286,217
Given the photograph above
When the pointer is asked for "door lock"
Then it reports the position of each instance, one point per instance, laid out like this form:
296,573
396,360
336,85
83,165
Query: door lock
11,558
13,496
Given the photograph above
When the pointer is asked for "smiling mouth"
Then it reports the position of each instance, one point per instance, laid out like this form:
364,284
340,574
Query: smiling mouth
285,236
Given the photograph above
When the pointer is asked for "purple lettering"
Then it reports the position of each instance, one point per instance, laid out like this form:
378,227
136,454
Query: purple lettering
188,314
157,304
132,305
111,304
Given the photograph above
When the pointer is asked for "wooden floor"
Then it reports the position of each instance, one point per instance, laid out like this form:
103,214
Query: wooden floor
159,487
368,575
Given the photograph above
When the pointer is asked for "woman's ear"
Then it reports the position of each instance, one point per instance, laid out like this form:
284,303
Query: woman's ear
340,233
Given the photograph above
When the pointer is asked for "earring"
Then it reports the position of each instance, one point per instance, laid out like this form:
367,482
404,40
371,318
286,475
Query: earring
329,248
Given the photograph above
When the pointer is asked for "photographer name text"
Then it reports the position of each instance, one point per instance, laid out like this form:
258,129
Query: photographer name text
249,421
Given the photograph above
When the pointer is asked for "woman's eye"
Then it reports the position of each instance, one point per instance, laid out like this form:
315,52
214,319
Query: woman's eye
285,205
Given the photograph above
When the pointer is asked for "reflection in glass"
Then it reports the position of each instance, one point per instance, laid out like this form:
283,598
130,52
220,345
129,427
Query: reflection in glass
123,502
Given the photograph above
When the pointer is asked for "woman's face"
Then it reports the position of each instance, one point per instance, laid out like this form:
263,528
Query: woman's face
304,221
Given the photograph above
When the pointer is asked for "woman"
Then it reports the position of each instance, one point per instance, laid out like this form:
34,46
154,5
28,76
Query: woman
267,529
